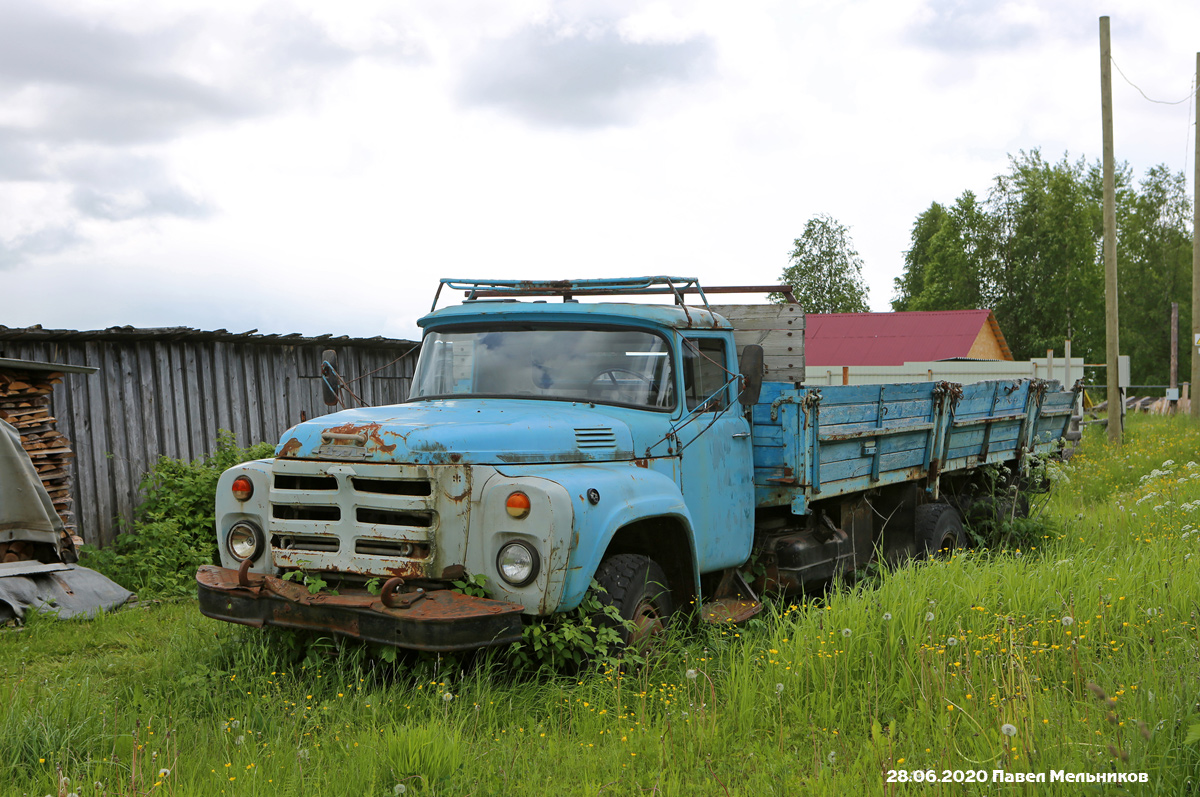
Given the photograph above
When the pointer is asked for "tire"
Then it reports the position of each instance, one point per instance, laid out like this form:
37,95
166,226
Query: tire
938,531
637,587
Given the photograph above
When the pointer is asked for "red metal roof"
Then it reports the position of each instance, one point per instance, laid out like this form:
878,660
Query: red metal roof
893,338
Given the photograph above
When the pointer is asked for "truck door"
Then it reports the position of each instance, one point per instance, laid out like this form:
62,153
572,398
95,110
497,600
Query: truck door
716,468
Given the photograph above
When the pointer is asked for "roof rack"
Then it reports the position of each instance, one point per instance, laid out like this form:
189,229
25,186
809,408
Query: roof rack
620,286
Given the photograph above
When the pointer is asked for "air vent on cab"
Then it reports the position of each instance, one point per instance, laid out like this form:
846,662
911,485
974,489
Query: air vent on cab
595,437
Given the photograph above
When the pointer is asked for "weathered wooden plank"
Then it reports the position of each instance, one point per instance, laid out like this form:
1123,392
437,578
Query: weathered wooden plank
282,420
149,404
291,381
98,401
197,445
222,378
208,397
124,430
761,316
253,412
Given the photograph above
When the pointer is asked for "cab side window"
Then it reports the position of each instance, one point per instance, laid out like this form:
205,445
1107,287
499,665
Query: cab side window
704,373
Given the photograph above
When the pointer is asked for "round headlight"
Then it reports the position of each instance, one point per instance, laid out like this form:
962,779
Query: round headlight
244,541
518,563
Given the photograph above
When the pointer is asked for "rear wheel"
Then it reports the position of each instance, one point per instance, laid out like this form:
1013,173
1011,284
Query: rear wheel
938,531
637,587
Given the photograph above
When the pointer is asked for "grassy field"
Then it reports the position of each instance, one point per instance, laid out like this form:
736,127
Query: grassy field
1079,653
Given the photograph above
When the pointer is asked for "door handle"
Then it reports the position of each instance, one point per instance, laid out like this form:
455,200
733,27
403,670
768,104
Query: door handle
740,435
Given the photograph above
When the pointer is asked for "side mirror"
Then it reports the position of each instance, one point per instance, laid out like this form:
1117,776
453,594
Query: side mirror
330,381
751,363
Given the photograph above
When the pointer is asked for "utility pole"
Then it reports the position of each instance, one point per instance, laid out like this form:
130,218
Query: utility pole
1196,261
1116,402
1174,355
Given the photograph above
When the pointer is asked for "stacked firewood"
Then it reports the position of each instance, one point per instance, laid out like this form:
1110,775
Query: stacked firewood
25,403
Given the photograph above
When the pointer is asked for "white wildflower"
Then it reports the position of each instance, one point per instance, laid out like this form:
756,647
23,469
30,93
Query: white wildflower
1008,729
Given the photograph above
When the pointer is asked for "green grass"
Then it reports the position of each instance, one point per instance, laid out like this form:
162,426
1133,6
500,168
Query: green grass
920,669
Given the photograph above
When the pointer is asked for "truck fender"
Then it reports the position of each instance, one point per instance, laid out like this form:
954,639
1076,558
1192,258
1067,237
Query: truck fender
626,495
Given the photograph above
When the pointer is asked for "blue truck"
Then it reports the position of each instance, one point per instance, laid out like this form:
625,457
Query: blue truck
670,451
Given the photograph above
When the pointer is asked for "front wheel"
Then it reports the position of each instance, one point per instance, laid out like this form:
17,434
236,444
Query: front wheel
637,587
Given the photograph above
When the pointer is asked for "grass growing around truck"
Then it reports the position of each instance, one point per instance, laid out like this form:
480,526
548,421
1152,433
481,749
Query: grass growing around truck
1080,653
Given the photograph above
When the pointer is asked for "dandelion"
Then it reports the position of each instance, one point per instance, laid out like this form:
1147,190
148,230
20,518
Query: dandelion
1008,729
399,789
302,754
1068,620
887,616
98,785
929,617
239,740
846,632
952,641
832,757
447,697
235,724
162,773
691,675
778,688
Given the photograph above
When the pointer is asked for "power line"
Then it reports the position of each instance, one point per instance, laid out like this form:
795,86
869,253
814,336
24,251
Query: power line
1160,102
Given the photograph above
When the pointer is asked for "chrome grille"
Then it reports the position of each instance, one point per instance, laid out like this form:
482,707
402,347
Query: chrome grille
358,518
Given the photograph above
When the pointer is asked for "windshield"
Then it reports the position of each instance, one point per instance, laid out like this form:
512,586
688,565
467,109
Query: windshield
612,366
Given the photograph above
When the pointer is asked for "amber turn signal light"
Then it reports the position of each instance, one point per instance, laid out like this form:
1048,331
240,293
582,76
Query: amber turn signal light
517,505
242,488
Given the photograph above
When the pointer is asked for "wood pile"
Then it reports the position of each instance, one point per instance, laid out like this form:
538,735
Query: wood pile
25,403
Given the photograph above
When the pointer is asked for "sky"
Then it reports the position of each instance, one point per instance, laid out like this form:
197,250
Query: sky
301,166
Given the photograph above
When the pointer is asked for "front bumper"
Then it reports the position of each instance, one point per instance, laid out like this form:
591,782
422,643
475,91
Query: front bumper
439,620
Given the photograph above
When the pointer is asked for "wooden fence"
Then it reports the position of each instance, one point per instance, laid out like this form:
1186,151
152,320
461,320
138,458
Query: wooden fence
167,392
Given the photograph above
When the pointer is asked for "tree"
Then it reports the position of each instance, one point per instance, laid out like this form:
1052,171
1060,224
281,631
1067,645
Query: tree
825,271
1033,253
951,263
1154,265
911,283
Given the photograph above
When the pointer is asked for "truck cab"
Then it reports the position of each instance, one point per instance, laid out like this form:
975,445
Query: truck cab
543,444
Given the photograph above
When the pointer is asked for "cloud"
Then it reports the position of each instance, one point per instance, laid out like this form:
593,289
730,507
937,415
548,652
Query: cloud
49,240
88,107
586,78
120,187
967,26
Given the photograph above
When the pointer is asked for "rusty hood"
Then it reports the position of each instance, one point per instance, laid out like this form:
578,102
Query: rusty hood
468,431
